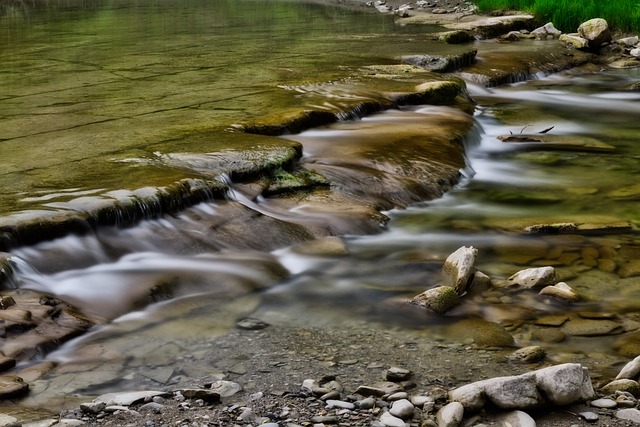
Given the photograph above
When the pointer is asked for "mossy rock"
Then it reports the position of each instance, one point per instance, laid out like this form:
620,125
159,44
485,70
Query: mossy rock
439,299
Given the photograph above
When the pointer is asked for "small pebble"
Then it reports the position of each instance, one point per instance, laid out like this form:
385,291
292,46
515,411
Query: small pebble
590,417
367,403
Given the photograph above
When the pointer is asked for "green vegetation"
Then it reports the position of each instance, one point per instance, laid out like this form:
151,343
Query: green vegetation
566,15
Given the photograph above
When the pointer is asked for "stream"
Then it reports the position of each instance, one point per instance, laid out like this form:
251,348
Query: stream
172,283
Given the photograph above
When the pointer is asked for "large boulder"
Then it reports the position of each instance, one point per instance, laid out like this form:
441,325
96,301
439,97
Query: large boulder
596,31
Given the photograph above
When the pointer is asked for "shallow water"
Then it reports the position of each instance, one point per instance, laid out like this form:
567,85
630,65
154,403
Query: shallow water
174,283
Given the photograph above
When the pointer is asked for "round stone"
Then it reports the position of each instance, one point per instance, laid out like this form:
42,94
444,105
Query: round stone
604,403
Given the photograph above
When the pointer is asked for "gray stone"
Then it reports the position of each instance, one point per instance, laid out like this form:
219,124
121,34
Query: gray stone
471,396
397,396
402,409
546,30
379,389
367,403
450,415
603,403
565,384
533,277
92,407
439,299
151,407
629,414
340,404
635,52
588,416
396,374
208,396
514,392
129,398
589,328
390,421
420,401
630,370
459,268
596,31
628,41
7,420
225,388
516,419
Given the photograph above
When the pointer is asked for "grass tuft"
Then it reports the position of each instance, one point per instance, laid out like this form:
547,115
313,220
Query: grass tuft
567,15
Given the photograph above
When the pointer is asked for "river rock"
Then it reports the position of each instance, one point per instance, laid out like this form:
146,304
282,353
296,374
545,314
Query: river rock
128,398
629,414
533,277
450,415
603,403
546,30
396,374
560,291
459,268
456,37
441,63
530,354
627,385
92,407
439,299
558,385
225,388
8,420
596,31
390,421
12,386
516,419
628,41
402,409
630,370
481,332
591,328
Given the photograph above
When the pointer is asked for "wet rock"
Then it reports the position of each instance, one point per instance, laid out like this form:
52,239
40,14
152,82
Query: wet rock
402,409
549,335
12,386
459,268
630,269
9,421
481,332
516,419
533,277
631,370
441,63
560,291
596,31
439,299
531,354
552,320
456,37
546,30
590,328
6,301
6,363
450,415
629,414
629,386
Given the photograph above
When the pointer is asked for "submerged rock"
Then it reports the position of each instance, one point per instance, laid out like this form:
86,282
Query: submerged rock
439,299
441,63
533,277
560,291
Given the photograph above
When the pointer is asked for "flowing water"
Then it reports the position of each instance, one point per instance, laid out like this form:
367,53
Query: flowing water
170,284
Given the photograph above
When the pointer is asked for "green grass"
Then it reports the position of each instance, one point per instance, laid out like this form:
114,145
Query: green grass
567,15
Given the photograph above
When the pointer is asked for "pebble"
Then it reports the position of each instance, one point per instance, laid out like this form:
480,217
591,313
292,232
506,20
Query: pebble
328,419
396,374
367,403
152,407
629,415
402,409
450,415
604,403
397,396
590,417
340,404
419,401
390,421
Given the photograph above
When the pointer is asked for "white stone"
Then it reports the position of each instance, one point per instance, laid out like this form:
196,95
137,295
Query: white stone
390,421
628,41
635,52
419,401
629,414
560,291
533,277
129,398
7,419
459,267
450,415
471,396
630,370
513,392
402,409
565,384
603,403
340,404
516,419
